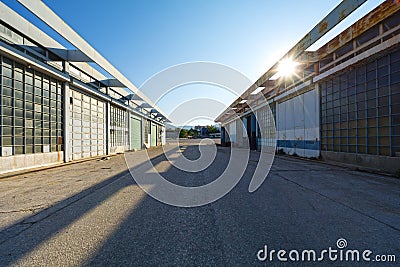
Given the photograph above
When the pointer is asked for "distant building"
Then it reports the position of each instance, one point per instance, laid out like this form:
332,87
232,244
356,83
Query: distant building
203,132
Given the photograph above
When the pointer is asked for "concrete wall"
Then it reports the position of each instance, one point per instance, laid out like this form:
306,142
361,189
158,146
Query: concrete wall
27,161
297,123
381,163
118,149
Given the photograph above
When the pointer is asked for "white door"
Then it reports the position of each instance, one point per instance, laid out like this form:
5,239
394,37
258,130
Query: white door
135,133
86,126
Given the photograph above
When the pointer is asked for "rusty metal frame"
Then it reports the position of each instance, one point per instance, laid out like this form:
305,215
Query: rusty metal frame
339,13
376,16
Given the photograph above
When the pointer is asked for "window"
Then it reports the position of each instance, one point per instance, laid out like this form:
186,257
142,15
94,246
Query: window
25,112
119,127
369,112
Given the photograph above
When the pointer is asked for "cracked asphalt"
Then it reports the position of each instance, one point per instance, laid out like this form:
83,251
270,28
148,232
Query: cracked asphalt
93,214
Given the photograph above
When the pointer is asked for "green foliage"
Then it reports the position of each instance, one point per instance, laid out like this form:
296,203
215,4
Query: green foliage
211,129
183,133
191,132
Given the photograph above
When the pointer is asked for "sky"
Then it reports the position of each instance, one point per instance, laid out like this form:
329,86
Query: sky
142,38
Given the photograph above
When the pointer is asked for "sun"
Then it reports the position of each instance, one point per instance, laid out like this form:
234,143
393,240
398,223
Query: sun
287,67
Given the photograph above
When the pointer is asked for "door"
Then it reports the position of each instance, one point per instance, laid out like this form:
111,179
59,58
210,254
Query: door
135,133
153,134
86,126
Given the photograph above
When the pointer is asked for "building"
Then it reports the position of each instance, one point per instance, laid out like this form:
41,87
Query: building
55,107
341,103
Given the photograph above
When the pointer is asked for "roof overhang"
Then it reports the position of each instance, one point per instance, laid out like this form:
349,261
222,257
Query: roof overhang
338,14
45,14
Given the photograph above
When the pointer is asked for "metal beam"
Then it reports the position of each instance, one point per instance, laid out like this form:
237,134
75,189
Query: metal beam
146,105
341,11
112,83
376,16
70,55
133,97
44,13
18,22
10,17
20,56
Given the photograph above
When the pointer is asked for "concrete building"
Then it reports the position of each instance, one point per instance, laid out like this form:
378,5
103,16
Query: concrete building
341,102
55,107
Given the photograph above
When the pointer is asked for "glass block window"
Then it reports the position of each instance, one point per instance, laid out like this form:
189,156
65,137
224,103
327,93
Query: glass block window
119,127
360,108
31,110
267,131
147,131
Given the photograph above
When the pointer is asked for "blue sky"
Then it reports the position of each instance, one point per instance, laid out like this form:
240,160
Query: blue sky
142,38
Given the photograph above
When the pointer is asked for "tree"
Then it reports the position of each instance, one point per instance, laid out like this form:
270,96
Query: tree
212,129
183,133
191,132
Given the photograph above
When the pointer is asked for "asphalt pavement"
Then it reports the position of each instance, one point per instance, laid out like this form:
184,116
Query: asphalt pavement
94,214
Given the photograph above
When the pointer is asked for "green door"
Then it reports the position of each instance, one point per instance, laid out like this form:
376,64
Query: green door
135,134
153,135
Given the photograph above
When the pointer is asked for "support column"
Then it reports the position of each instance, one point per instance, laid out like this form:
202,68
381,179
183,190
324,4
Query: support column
144,137
108,126
66,116
130,133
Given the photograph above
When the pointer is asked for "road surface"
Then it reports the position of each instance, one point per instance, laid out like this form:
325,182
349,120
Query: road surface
93,213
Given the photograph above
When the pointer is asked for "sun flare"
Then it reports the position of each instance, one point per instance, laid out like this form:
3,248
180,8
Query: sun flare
287,67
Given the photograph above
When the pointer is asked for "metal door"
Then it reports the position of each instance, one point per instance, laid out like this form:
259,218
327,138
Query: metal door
86,126
135,133
153,135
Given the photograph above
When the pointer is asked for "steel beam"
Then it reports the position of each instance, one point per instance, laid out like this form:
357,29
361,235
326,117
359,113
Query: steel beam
339,13
112,83
133,97
43,12
376,16
70,55
12,18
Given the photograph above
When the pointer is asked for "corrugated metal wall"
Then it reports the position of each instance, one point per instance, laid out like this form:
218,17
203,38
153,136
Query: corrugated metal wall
298,125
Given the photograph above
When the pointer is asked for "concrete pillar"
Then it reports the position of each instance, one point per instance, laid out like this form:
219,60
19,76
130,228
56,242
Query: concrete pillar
66,119
144,137
129,141
108,127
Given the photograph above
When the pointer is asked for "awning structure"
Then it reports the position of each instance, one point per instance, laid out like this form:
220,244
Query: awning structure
83,54
298,52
